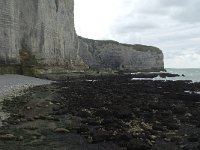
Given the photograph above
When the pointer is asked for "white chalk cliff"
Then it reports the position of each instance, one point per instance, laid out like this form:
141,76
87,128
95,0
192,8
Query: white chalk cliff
118,56
42,33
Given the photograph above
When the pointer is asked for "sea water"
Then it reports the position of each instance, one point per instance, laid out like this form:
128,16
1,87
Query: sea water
192,74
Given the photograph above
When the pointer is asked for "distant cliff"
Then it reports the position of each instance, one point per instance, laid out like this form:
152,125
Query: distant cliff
41,34
114,55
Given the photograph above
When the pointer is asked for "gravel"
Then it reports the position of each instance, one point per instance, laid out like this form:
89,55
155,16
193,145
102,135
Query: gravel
12,85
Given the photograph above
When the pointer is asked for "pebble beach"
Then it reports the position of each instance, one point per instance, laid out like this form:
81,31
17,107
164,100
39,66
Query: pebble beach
10,84
13,85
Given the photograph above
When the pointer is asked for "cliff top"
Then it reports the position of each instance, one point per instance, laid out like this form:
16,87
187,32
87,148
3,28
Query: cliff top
137,47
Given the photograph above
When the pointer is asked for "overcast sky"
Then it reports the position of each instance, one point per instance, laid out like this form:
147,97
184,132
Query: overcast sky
171,25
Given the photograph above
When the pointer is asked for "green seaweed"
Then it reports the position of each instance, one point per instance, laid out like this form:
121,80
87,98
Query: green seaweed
9,70
29,71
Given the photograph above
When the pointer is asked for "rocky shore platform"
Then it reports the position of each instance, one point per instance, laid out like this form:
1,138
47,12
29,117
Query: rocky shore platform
104,113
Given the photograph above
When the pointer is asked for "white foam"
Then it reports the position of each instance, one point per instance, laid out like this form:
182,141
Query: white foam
141,79
91,80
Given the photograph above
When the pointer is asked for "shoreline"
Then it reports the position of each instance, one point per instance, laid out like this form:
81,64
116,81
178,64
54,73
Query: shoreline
11,83
104,112
12,86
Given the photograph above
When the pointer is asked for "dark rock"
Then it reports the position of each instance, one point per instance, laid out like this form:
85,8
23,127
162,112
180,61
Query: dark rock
188,147
92,121
158,111
179,109
84,113
166,113
103,112
172,126
158,127
121,112
108,120
198,146
83,129
7,137
136,144
124,136
100,136
193,138
20,138
177,139
30,119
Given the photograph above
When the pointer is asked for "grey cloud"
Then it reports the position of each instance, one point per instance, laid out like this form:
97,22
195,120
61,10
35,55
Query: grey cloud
182,10
176,32
173,3
171,25
190,14
133,27
173,54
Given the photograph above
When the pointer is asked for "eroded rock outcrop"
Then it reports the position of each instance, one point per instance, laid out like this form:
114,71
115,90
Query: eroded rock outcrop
117,56
40,33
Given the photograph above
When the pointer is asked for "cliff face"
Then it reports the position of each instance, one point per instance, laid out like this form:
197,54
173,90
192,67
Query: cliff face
41,33
38,32
117,56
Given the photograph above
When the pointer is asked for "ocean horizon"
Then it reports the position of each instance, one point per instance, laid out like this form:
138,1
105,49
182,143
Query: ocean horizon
185,74
191,74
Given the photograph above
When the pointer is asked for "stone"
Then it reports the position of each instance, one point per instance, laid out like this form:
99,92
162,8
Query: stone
124,136
138,145
30,119
28,108
83,129
122,112
172,126
36,117
84,113
89,139
7,137
20,138
61,130
158,127
153,137
100,136
102,112
198,146
193,138
108,120
167,140
34,137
